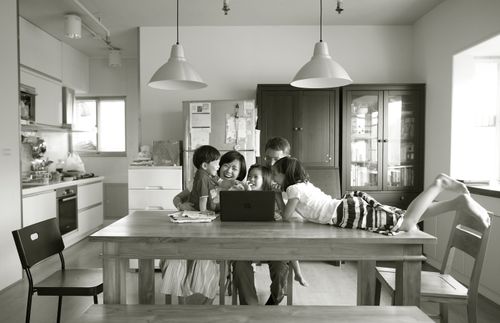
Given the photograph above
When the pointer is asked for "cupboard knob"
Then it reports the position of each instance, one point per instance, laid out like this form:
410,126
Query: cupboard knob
295,128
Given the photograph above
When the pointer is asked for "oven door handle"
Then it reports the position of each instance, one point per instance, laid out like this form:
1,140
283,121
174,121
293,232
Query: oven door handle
68,199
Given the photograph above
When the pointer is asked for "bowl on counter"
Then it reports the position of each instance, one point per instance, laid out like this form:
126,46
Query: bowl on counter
67,178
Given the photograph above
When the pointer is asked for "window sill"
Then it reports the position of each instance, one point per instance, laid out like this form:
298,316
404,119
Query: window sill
492,190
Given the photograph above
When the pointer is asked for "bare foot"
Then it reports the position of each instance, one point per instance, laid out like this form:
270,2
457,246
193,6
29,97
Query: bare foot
301,280
450,184
475,210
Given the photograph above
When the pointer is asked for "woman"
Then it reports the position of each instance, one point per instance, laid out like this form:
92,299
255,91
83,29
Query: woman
196,281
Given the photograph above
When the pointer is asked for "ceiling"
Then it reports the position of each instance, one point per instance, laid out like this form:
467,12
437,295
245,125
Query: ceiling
122,17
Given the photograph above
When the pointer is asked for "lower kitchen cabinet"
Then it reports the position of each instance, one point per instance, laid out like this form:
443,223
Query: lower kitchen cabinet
90,207
90,219
38,207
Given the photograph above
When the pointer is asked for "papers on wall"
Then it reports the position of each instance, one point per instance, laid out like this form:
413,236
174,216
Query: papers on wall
248,107
199,137
200,121
236,130
257,143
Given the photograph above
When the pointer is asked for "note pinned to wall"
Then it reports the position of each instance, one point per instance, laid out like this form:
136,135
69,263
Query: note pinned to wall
248,107
200,115
199,137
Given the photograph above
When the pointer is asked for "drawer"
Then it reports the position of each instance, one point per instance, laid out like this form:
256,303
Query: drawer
90,219
163,178
151,199
89,194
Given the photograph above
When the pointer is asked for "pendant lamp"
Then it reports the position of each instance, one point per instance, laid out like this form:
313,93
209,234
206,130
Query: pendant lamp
321,71
177,73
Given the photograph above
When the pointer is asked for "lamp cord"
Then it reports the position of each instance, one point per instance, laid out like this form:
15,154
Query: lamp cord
177,22
321,20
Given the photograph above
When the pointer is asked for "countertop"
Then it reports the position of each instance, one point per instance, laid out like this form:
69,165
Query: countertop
54,186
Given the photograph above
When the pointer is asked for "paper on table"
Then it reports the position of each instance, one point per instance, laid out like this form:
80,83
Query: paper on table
191,217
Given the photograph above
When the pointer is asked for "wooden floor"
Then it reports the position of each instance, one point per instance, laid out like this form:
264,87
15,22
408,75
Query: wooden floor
329,285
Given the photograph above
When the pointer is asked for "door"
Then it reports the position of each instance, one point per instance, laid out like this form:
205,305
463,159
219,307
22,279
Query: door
314,127
401,119
278,116
363,137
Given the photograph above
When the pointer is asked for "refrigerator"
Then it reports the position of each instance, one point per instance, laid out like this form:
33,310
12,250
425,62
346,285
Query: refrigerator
225,124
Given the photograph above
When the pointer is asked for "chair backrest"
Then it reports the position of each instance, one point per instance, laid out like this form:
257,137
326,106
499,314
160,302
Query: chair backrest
38,241
471,236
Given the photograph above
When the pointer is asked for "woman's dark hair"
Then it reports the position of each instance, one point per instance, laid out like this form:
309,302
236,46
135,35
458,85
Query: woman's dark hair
231,156
293,170
205,154
267,176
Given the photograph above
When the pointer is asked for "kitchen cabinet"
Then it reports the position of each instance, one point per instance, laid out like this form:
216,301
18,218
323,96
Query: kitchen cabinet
75,69
39,207
309,120
153,189
90,207
48,101
38,50
383,141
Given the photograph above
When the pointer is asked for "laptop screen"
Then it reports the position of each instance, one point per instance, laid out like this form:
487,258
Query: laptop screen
247,206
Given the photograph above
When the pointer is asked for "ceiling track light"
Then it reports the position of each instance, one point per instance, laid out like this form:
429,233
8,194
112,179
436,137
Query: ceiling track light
73,29
321,71
225,7
176,73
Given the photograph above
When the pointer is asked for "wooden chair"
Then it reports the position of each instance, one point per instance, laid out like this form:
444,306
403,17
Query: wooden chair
41,240
467,235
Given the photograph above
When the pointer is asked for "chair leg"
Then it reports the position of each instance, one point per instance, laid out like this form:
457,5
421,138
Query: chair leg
471,311
59,305
28,307
443,312
95,299
378,290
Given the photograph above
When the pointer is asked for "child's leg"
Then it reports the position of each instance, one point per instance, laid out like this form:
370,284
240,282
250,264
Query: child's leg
298,273
424,205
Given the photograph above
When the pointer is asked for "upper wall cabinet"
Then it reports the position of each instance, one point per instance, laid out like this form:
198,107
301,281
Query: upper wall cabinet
75,69
39,50
48,99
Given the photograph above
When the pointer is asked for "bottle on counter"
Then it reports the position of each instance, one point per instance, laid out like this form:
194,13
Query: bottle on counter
60,165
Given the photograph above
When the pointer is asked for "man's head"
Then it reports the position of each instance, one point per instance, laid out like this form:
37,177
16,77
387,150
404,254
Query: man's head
276,148
207,158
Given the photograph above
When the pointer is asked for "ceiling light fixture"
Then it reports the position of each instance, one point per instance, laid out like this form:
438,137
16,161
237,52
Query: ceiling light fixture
73,26
114,58
225,7
321,71
177,73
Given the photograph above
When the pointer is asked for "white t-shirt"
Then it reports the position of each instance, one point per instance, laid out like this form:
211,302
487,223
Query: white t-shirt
314,205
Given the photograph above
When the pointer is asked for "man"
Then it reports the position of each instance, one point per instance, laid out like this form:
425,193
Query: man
275,149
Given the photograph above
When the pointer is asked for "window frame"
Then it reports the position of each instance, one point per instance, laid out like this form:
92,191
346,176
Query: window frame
98,153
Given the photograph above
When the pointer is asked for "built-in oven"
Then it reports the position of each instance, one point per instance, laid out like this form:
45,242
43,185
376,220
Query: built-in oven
67,209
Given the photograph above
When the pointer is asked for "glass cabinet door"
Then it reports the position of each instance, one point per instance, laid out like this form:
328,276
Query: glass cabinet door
364,113
400,139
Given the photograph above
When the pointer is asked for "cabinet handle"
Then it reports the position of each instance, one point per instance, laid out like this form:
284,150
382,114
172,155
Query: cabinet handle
300,129
379,140
385,140
154,187
295,128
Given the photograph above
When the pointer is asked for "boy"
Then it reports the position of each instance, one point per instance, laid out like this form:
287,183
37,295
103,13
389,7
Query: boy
204,194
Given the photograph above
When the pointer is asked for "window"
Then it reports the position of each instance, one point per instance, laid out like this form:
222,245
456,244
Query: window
99,125
476,113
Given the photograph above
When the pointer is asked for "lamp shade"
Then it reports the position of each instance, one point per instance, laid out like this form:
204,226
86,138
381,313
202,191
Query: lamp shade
176,73
73,26
321,71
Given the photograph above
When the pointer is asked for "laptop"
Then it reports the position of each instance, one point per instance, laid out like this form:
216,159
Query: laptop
246,206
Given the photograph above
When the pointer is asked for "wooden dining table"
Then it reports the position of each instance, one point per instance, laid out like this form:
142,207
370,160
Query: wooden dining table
149,235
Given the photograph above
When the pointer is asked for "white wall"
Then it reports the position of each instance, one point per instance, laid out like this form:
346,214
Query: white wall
10,173
448,29
233,60
119,81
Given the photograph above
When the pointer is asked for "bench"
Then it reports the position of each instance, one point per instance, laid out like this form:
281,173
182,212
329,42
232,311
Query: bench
261,314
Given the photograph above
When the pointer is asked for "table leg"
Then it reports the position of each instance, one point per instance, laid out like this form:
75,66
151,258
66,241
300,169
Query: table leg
222,281
408,283
111,274
146,281
366,282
